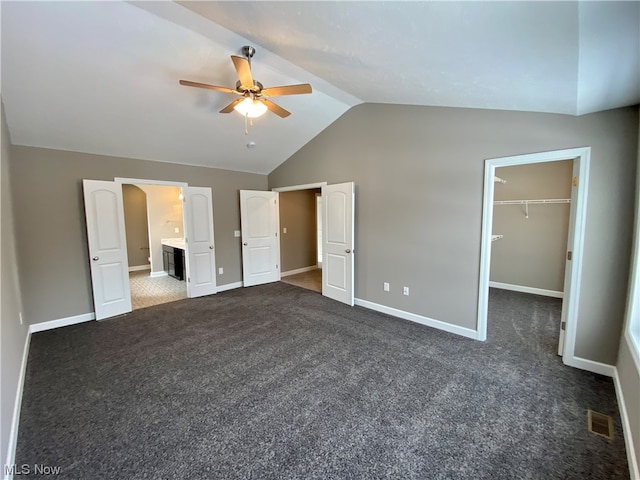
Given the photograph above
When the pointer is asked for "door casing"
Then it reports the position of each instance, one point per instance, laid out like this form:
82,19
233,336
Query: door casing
573,272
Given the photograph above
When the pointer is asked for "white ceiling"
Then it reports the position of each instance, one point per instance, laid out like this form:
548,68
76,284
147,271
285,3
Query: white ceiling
102,77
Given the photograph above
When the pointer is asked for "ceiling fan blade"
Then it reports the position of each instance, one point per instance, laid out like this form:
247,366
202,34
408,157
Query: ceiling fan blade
244,70
277,109
229,108
204,85
287,90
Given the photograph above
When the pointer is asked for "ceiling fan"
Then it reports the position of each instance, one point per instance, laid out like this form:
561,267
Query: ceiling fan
254,98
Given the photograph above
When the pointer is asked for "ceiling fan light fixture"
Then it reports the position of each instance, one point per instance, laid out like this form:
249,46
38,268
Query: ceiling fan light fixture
251,108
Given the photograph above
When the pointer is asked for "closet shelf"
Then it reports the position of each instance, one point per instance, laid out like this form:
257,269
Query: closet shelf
532,202
498,180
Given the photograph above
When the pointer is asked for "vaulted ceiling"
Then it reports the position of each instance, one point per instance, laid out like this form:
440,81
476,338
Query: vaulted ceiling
102,77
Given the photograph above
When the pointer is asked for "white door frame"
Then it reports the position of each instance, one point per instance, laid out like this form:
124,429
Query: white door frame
581,156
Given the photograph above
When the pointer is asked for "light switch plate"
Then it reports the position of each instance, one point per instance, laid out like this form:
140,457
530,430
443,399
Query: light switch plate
236,233
385,286
284,230
221,270
176,230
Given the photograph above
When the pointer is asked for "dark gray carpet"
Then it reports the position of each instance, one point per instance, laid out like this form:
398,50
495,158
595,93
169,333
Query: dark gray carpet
279,382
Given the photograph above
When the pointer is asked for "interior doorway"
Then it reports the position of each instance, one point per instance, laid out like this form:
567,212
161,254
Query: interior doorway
300,228
106,239
531,214
575,241
154,229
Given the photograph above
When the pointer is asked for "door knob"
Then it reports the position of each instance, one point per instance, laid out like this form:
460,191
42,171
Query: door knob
245,244
348,251
96,258
210,247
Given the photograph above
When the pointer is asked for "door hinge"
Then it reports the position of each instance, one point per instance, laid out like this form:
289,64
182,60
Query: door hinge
276,234
575,181
563,326
189,279
276,267
569,255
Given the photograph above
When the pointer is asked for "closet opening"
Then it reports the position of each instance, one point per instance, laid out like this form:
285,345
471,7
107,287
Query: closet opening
154,229
532,265
531,216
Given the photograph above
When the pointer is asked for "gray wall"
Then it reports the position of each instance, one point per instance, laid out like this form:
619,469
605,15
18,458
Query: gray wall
47,194
12,335
628,369
532,250
136,225
298,247
419,175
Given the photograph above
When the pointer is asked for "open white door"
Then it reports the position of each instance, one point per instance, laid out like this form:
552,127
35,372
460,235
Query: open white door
338,242
199,245
567,265
104,214
260,220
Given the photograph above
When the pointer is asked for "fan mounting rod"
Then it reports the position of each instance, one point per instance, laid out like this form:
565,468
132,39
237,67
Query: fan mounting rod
248,51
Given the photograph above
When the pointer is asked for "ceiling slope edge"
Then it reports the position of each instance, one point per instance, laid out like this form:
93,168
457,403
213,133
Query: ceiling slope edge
190,20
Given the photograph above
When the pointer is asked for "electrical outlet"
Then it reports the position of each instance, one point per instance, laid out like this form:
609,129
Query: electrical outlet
221,270
385,286
405,291
176,230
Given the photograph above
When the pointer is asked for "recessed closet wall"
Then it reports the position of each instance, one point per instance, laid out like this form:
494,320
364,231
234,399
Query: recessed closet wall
531,252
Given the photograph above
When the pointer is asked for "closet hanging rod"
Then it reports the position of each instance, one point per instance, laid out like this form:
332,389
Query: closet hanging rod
498,179
532,202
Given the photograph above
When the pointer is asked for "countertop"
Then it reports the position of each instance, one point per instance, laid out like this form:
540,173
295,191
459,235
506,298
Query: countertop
173,242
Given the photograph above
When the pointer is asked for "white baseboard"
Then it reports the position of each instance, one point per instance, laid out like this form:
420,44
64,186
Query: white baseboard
15,422
590,366
229,286
137,268
62,322
634,472
523,289
299,270
429,322
158,274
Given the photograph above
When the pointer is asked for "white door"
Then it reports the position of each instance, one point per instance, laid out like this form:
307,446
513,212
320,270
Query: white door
567,265
260,219
200,253
338,242
104,214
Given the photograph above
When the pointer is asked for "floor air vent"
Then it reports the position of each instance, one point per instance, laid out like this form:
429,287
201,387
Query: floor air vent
600,424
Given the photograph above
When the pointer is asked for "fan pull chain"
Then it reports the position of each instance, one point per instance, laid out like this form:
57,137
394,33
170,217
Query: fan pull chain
248,122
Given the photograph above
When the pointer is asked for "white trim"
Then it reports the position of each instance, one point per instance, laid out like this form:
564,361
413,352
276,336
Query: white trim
15,421
590,365
523,289
299,270
292,188
158,274
146,181
62,322
626,428
138,268
429,322
229,286
581,158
